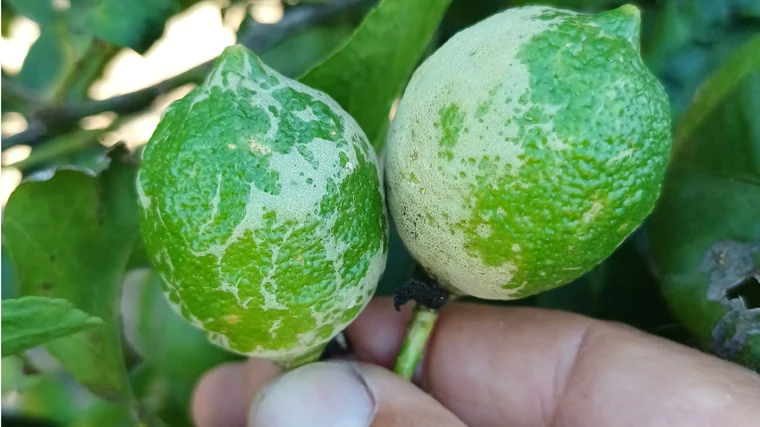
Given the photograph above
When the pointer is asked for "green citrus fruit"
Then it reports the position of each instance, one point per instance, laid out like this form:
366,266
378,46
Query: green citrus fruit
262,207
525,150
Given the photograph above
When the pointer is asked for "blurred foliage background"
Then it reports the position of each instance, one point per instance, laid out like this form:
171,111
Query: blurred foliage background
84,83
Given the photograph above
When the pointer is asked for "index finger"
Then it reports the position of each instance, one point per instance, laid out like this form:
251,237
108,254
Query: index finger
523,366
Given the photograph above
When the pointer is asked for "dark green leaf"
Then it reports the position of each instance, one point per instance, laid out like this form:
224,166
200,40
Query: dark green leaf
88,68
40,11
464,13
8,279
717,87
160,396
13,374
705,233
302,51
31,321
102,413
46,64
6,18
748,8
621,289
575,5
129,23
70,236
59,58
370,70
683,41
49,397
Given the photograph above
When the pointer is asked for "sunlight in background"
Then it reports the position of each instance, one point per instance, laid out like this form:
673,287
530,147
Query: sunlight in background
267,11
15,154
394,107
13,123
11,177
23,32
192,37
98,121
183,46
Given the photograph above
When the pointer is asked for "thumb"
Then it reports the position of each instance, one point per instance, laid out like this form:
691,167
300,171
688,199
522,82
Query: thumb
345,394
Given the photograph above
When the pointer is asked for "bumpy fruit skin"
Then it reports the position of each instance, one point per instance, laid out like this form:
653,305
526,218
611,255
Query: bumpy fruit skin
262,207
526,149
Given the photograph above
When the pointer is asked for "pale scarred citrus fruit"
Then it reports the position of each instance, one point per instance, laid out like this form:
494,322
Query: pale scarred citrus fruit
262,207
526,149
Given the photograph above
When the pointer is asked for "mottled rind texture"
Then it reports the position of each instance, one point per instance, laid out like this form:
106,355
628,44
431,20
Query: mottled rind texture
262,208
526,149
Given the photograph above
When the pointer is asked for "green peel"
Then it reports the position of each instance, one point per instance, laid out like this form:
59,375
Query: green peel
524,151
262,207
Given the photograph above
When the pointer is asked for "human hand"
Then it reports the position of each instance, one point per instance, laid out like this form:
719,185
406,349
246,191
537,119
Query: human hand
489,366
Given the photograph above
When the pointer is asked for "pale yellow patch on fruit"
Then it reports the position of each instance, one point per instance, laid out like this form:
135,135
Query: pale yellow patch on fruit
482,53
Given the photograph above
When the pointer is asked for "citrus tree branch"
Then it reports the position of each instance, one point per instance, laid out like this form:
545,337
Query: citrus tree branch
52,121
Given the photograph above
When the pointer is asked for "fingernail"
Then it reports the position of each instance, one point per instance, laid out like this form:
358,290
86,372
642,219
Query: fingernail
318,394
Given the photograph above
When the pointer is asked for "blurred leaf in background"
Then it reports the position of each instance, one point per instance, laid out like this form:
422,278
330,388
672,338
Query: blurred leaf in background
49,397
299,53
66,58
705,233
102,413
8,282
686,40
69,236
31,321
621,288
370,70
129,23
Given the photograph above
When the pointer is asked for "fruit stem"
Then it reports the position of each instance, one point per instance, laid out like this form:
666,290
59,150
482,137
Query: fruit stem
417,336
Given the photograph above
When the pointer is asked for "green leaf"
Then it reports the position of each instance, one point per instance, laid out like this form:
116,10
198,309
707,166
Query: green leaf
54,59
70,236
295,55
6,18
129,23
40,11
717,87
576,5
102,413
8,279
13,374
372,67
684,41
50,397
31,321
704,232
46,62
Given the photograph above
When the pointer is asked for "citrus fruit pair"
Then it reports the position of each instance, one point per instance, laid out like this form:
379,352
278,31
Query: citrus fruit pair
523,151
